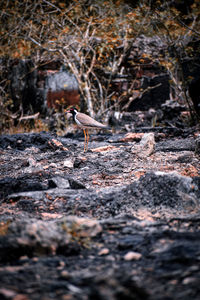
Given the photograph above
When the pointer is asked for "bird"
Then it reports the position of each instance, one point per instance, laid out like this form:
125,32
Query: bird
85,122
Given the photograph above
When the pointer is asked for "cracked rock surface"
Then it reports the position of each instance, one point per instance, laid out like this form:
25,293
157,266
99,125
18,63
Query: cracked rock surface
118,222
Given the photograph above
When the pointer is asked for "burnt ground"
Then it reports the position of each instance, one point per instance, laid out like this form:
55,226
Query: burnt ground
118,222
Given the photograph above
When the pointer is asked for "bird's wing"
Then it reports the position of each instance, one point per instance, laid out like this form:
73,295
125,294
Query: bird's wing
89,122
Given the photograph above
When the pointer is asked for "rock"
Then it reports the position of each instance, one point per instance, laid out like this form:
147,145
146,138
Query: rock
112,285
76,184
27,182
169,189
190,280
23,141
131,136
69,163
132,256
176,145
197,145
103,251
59,182
7,294
55,144
64,274
104,149
36,237
146,146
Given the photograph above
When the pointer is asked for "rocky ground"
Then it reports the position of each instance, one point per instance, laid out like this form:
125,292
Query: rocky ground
118,222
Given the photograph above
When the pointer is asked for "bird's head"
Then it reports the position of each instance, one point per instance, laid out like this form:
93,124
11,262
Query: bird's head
72,111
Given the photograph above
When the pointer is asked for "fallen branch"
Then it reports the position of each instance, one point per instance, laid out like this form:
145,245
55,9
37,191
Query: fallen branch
35,116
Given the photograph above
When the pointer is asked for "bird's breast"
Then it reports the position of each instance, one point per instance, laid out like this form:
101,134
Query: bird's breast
78,123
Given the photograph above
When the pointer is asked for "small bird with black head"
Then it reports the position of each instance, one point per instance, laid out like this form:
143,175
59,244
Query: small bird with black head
85,122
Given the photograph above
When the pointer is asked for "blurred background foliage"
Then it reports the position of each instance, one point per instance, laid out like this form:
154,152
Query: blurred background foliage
93,40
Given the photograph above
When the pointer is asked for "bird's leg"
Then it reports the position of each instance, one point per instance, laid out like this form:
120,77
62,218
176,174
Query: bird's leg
85,136
88,137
